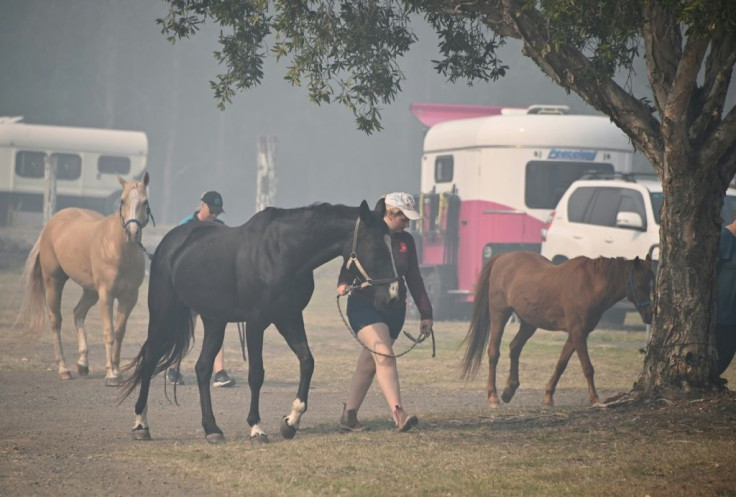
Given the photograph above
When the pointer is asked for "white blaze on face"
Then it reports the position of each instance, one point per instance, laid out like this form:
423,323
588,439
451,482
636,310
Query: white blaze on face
130,209
393,288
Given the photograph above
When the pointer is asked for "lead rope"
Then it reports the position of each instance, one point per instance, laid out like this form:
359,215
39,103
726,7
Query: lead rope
241,335
414,341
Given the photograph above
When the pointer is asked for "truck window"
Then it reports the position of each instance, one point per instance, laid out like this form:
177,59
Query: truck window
109,164
578,204
68,166
443,168
547,181
605,207
30,164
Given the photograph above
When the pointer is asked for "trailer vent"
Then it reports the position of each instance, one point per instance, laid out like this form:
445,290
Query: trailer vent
548,109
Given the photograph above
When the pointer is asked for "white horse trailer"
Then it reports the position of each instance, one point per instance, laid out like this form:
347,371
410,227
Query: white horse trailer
87,162
489,183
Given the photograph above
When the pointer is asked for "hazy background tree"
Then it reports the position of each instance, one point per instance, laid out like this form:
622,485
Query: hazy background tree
351,53
105,63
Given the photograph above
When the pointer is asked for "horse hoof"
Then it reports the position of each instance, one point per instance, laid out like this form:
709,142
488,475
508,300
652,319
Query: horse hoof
141,433
65,375
258,440
82,370
287,431
507,395
215,438
113,381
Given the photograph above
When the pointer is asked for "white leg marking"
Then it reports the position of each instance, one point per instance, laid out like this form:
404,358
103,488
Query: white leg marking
82,340
297,409
256,431
141,419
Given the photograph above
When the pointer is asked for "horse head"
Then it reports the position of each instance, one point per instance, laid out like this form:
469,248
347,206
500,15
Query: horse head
370,257
134,210
639,287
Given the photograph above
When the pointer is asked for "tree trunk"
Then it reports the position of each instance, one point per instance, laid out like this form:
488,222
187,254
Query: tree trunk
680,352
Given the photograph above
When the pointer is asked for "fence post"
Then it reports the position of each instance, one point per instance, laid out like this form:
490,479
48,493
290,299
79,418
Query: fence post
49,194
266,179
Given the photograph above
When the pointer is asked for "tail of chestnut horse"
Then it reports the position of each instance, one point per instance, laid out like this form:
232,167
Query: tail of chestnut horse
170,331
480,324
33,306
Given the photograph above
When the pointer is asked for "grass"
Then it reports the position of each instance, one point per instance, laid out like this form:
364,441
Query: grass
460,447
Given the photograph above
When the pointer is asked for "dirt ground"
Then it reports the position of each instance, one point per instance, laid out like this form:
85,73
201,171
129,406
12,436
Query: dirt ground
65,437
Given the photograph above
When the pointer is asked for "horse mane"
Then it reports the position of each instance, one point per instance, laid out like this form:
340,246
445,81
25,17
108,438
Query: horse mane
315,215
610,267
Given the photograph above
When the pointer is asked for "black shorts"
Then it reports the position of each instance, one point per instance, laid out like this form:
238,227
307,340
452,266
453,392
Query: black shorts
361,314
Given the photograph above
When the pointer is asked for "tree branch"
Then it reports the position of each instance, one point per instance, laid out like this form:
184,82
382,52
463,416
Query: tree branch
573,71
685,81
721,147
662,42
718,69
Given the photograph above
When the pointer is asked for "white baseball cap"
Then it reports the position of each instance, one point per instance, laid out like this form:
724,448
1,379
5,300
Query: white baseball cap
405,202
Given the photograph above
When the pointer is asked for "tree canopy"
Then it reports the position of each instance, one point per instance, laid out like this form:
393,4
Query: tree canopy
350,52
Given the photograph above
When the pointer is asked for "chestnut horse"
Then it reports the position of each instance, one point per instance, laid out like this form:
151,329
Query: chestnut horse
103,255
570,297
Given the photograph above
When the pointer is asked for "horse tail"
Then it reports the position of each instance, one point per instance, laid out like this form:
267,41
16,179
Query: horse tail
170,332
32,314
480,324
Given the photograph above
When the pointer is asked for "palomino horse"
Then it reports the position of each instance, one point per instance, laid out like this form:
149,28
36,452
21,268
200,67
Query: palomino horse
259,273
103,255
570,297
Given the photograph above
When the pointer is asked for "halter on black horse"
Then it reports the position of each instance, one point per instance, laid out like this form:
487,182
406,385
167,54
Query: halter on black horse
367,282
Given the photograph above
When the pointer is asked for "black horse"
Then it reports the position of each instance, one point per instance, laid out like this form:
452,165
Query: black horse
259,273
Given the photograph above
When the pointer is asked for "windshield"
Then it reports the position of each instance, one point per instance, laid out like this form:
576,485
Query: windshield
727,213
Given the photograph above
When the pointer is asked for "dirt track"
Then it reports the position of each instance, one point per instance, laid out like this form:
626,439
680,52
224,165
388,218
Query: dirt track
71,438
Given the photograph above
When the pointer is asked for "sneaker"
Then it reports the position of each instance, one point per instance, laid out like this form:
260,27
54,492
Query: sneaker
349,421
222,379
174,377
404,422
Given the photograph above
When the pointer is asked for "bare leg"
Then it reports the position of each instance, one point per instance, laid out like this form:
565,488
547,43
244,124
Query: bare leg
365,370
377,338
220,359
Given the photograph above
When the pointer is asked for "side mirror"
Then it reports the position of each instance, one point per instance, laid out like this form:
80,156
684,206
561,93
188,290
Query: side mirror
630,220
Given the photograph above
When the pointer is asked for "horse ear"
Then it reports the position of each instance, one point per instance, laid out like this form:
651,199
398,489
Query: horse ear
365,212
121,180
145,178
380,208
637,261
